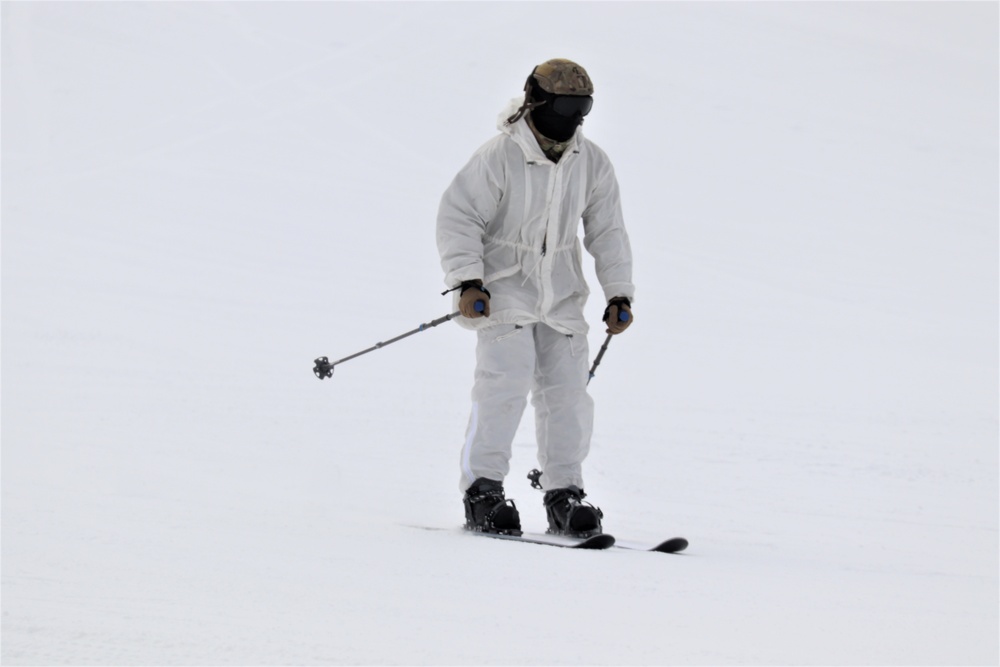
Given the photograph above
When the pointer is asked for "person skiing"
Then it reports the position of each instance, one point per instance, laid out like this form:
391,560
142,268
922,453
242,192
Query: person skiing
507,234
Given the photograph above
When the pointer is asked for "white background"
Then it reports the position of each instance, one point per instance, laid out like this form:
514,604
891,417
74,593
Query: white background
200,198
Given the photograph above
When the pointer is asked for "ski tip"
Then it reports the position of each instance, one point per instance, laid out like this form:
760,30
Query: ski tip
671,546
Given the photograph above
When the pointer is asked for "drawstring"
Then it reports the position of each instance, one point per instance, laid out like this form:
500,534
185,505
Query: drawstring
528,104
528,277
525,108
516,330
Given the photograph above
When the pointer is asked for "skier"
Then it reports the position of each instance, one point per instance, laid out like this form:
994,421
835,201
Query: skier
507,233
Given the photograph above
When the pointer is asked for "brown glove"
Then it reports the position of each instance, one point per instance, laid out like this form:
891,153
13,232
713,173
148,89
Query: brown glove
618,314
473,294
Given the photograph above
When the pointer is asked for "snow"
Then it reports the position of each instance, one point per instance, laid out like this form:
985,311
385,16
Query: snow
201,198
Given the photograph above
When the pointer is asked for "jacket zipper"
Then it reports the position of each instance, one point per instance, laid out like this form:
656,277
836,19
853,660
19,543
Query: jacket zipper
548,206
552,188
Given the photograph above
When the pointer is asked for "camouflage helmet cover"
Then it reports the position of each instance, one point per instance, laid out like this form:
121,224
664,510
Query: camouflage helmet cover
563,77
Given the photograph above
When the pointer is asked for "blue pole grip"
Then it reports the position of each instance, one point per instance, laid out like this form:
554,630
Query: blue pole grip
622,316
480,306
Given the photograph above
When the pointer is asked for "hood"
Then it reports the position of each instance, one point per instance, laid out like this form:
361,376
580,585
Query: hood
509,111
522,134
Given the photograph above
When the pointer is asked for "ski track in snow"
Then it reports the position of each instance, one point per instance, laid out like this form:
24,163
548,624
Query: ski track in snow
198,199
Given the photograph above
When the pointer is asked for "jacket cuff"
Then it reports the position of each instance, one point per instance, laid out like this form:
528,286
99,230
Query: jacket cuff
611,290
459,276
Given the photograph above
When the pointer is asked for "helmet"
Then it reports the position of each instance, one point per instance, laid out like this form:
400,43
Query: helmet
557,76
562,77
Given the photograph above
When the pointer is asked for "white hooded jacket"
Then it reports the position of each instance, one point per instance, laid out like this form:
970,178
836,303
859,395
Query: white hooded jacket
511,219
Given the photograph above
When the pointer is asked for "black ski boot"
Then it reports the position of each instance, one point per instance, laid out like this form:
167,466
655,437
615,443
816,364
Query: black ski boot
569,515
487,511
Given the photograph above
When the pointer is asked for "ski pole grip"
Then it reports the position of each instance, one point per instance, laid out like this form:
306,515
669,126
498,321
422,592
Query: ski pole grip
623,316
480,306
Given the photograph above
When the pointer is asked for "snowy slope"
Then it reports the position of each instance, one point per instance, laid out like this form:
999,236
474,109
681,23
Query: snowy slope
200,198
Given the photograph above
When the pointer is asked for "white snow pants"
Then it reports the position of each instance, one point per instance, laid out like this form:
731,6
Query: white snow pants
511,361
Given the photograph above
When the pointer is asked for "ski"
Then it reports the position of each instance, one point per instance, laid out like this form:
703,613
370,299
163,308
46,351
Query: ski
672,546
599,541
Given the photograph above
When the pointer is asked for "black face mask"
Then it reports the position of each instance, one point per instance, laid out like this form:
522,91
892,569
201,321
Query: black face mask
560,115
554,126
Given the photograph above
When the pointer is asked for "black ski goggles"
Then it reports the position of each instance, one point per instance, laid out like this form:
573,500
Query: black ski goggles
571,105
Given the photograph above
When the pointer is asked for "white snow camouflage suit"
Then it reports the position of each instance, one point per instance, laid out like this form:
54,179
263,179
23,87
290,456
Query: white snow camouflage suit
511,218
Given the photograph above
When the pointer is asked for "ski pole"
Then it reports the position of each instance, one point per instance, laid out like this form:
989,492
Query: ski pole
622,317
324,367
